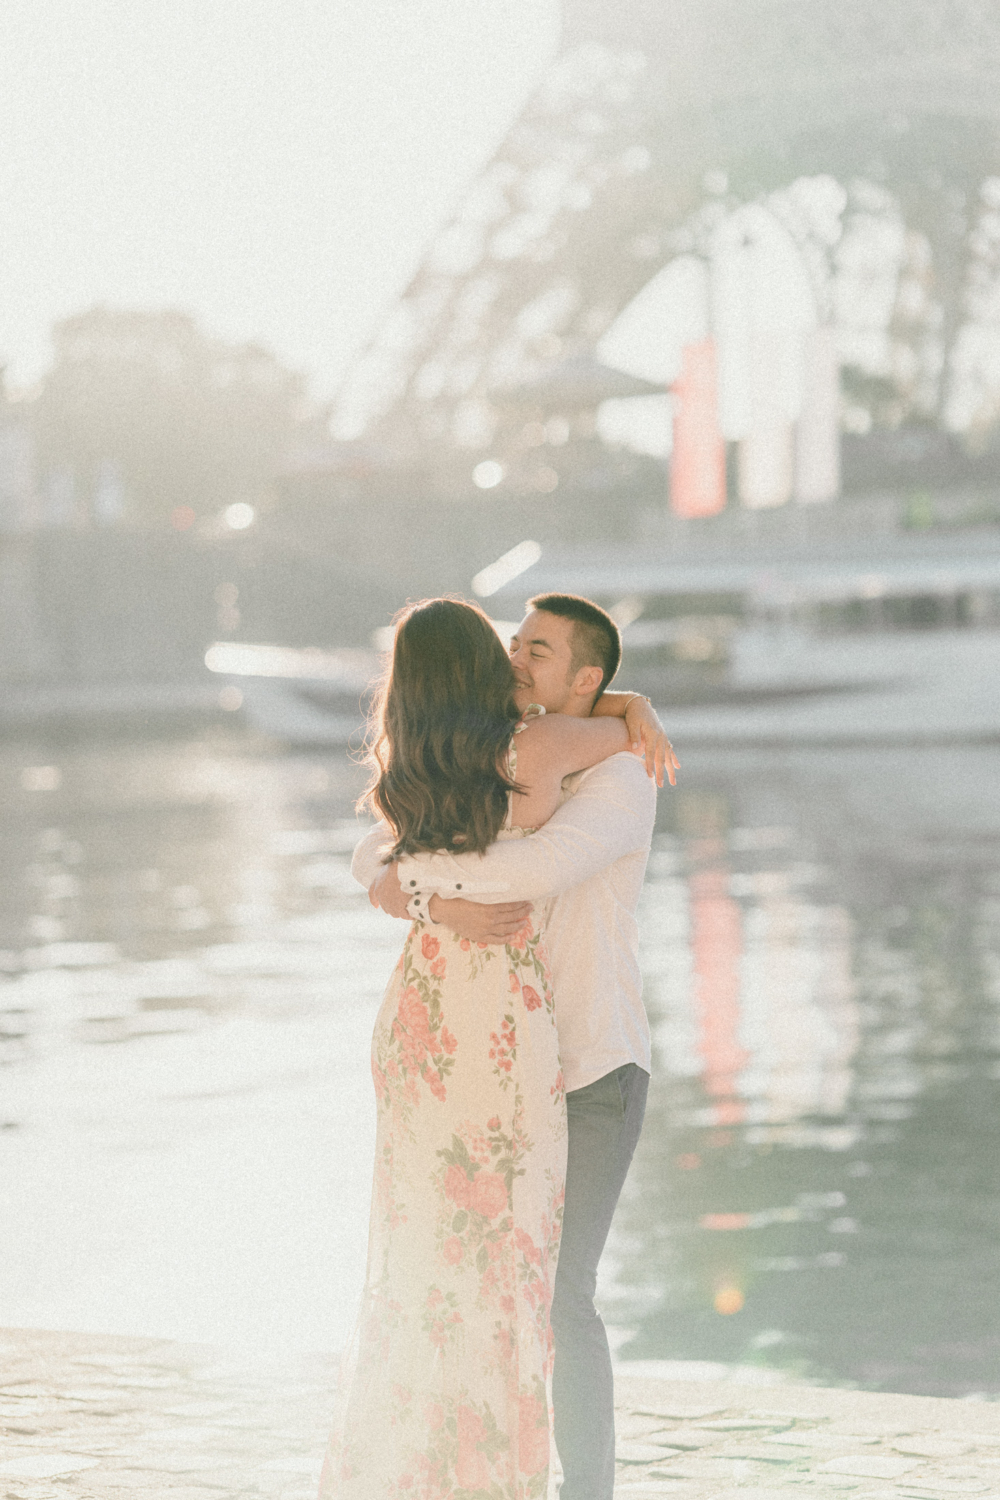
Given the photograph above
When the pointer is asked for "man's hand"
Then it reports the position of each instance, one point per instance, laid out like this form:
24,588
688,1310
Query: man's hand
385,891
645,730
479,921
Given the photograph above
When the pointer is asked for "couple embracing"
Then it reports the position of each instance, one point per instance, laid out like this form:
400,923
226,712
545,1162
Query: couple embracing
510,1057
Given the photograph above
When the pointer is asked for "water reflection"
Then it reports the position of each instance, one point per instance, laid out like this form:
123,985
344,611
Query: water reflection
189,978
818,1169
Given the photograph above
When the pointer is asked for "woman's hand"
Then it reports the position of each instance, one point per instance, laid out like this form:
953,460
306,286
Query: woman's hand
386,892
649,738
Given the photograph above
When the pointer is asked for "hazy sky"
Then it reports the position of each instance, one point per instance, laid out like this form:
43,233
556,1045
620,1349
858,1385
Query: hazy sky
274,167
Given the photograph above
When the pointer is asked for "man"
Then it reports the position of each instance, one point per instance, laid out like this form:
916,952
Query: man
592,856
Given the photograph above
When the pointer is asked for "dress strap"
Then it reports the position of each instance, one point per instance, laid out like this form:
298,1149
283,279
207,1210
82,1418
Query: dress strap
533,711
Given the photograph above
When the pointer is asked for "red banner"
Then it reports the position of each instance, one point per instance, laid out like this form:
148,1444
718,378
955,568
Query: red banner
698,464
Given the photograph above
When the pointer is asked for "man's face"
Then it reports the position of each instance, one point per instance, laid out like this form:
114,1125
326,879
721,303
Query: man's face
541,652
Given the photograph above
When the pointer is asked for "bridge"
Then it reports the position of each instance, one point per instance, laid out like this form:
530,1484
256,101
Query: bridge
656,121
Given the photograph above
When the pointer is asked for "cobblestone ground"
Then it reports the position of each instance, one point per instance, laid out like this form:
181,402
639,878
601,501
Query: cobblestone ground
86,1418
709,1442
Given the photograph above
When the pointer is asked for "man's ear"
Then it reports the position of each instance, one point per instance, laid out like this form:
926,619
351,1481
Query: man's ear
587,681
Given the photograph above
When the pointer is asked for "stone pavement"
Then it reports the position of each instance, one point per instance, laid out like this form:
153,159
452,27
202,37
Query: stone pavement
713,1440
92,1418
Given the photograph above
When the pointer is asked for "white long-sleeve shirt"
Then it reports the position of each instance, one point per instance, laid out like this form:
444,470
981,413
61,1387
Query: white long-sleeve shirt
591,857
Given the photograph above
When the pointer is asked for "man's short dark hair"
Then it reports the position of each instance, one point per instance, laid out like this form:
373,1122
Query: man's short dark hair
596,640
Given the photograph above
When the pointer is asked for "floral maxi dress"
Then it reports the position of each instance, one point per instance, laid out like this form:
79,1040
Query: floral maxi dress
444,1392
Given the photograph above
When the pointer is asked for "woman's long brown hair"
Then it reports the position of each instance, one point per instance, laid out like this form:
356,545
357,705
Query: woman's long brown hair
441,726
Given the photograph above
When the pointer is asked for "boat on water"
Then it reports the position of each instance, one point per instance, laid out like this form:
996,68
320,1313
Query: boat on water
888,639
864,675
857,642
757,683
779,685
876,640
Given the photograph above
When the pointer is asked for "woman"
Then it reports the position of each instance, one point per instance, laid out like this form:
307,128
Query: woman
444,1391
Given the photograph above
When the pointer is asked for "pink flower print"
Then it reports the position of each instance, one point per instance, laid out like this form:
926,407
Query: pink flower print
494,1123
412,1012
488,1281
507,1304
429,946
378,1077
405,1481
532,999
411,1056
448,1042
526,1245
489,1194
532,1435
436,1334
515,983
457,1186
559,1086
471,1468
503,1047
434,1296
465,945
438,967
505,1336
453,1250
436,1087
434,1415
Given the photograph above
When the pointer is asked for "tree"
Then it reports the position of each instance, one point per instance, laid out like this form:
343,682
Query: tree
182,421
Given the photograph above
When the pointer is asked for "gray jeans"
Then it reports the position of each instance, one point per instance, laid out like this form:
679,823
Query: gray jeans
605,1119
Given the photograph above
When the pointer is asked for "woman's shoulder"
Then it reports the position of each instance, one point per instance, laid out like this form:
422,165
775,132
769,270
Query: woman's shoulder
536,728
542,734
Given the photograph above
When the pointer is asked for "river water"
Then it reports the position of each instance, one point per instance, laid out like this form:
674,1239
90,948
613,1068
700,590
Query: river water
188,980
